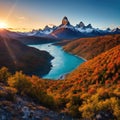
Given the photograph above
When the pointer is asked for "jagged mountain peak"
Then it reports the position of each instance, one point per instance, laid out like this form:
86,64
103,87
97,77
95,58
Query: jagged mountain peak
80,25
65,21
68,31
116,30
89,26
108,29
46,27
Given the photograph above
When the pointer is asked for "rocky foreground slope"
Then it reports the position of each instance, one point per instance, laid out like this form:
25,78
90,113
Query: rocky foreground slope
92,91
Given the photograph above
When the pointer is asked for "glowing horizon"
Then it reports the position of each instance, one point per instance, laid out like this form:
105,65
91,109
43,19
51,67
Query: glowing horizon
36,14
3,25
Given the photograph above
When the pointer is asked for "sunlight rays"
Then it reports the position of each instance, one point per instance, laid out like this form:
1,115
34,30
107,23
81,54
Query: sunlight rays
3,25
11,10
10,51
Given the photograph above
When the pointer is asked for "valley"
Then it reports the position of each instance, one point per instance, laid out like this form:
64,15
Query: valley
62,64
69,72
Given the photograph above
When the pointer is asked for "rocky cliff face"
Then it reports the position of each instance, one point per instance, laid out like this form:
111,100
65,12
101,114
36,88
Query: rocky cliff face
65,21
80,25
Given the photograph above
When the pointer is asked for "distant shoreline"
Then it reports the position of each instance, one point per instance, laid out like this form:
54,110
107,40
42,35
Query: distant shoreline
62,77
75,55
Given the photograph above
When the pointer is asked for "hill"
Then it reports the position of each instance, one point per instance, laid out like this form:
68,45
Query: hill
101,69
36,40
90,47
17,56
92,91
66,33
26,39
93,88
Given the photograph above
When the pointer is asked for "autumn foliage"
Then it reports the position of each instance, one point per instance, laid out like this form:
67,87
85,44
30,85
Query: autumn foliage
93,88
89,48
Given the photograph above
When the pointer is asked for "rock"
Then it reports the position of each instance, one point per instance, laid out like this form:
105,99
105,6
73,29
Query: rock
89,26
80,25
104,115
65,21
26,112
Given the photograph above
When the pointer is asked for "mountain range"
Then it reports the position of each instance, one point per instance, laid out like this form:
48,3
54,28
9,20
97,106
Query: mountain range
64,31
90,92
67,31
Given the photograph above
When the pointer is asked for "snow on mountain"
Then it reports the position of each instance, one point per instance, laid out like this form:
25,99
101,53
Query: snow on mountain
116,30
108,30
66,25
47,30
80,25
65,28
84,30
89,26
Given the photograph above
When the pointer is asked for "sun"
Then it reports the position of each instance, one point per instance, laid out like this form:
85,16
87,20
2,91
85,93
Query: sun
3,25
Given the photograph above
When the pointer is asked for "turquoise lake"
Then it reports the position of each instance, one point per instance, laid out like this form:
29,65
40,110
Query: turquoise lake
62,63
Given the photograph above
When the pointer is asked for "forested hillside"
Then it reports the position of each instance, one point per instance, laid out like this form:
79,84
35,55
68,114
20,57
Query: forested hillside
92,90
88,48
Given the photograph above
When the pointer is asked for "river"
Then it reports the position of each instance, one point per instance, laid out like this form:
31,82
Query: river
62,63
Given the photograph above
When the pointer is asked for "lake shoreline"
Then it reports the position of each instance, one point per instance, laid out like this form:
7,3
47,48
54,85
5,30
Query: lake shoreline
64,75
64,43
63,62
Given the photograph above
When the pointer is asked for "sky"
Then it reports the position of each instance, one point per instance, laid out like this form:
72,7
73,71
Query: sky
29,14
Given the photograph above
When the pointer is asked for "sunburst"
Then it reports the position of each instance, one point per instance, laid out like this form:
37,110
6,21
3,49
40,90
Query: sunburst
3,25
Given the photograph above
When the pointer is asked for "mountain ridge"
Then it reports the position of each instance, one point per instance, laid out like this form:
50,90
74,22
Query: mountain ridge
65,29
88,48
